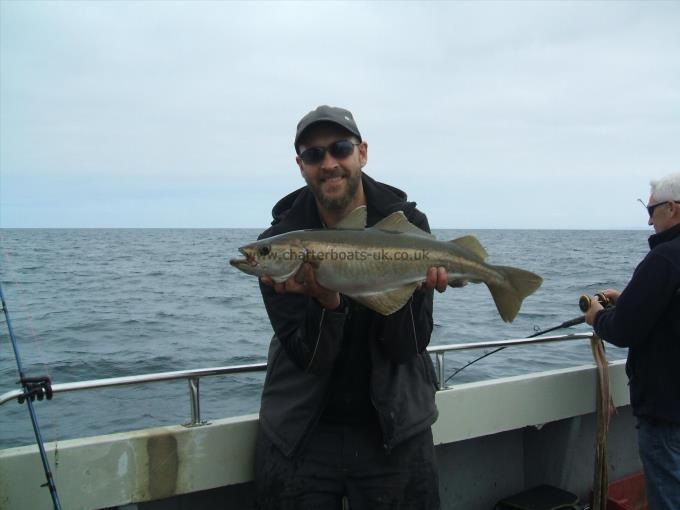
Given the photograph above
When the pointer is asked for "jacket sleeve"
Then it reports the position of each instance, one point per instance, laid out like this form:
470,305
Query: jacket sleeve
641,304
310,334
406,333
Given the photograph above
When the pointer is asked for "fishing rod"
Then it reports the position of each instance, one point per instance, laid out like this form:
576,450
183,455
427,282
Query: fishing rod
584,303
34,387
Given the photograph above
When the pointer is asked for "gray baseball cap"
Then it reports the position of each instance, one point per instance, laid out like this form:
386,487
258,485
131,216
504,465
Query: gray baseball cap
325,113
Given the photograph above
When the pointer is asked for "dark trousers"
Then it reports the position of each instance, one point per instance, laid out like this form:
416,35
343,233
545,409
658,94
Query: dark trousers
348,461
659,445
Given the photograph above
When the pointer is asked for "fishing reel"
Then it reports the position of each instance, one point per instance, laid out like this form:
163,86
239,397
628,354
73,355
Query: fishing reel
584,302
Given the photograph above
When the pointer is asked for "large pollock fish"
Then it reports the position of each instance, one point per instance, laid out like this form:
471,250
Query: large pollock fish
381,266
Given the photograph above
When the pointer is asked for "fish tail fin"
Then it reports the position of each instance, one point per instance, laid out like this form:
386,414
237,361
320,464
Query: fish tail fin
509,294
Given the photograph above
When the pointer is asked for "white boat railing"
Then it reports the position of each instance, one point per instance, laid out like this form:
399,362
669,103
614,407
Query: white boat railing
193,377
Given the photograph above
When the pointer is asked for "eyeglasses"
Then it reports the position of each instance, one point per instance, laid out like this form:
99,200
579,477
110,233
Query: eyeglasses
650,208
339,150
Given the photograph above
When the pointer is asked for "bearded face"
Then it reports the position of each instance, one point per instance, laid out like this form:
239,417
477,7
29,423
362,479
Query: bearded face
334,177
335,189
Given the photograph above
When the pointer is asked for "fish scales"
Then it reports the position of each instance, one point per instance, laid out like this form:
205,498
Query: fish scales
345,260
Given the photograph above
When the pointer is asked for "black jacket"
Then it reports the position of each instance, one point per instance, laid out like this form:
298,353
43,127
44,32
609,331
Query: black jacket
308,340
647,320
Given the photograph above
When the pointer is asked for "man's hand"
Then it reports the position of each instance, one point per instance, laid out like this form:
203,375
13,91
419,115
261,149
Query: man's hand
595,307
611,294
436,278
309,287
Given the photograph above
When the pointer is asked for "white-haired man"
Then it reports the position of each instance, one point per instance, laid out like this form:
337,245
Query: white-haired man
646,319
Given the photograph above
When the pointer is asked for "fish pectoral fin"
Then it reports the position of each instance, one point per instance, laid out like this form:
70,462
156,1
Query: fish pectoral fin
471,243
386,303
283,278
300,273
397,222
355,220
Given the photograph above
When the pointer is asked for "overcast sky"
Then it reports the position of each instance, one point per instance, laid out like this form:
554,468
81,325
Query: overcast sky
488,114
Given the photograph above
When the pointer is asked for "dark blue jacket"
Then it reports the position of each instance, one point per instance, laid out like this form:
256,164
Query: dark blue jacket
646,319
309,342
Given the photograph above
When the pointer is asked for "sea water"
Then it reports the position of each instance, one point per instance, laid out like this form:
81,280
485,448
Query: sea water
98,303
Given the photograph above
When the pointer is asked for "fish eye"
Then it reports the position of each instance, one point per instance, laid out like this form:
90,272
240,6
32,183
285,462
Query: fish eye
263,251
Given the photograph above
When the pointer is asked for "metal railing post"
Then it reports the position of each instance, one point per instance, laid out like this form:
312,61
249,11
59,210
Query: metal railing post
440,370
195,401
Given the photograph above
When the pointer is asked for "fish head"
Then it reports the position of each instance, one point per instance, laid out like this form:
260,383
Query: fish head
277,257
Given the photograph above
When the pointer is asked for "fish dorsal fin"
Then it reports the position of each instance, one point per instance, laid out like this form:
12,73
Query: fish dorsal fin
386,303
472,244
356,220
397,222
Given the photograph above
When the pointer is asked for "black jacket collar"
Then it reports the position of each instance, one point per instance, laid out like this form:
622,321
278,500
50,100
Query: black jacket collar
298,210
667,235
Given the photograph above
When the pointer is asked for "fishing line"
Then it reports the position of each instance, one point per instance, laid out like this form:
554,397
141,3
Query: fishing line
566,324
584,303
32,334
36,387
30,322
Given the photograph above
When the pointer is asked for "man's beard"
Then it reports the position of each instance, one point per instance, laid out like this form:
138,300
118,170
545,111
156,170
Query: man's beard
341,202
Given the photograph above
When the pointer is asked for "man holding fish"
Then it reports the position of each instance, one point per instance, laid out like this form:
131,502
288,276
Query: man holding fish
347,272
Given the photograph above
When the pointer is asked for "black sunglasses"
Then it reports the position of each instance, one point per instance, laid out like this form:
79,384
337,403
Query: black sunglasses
650,208
339,150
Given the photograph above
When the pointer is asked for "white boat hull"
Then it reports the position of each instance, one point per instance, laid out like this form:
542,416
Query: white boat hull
494,438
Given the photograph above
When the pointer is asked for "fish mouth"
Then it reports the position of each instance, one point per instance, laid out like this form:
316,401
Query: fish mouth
249,260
